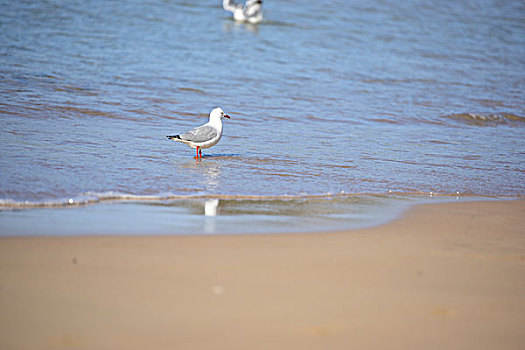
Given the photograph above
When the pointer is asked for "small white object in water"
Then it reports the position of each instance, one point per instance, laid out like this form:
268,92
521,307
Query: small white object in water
210,207
70,201
250,12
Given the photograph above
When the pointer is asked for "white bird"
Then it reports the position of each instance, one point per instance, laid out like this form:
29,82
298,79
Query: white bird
204,136
250,12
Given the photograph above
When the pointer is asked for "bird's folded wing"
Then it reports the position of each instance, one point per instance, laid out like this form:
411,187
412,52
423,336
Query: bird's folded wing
252,12
200,134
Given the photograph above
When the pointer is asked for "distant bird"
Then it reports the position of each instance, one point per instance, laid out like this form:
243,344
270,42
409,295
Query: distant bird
204,136
250,12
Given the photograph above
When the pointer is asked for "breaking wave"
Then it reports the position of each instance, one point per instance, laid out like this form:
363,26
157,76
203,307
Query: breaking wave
115,197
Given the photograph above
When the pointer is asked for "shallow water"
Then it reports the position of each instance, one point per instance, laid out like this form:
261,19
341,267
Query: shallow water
201,216
326,98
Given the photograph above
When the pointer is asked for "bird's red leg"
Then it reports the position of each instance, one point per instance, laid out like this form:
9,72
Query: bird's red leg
197,156
200,153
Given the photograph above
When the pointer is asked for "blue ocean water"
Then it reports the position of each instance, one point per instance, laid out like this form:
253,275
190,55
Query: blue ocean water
337,100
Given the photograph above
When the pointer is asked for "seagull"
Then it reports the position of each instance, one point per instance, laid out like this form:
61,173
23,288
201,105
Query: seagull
250,12
204,136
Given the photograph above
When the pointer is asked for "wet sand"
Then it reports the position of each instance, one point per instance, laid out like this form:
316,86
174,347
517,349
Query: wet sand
444,276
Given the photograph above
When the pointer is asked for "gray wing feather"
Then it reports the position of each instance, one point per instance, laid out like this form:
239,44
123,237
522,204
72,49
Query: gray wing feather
200,134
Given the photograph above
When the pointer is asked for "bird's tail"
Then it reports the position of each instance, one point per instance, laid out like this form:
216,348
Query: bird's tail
177,137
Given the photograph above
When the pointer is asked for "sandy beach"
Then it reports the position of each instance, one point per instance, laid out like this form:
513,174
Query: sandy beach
443,276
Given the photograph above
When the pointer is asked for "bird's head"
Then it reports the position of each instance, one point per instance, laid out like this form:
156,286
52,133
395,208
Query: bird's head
218,113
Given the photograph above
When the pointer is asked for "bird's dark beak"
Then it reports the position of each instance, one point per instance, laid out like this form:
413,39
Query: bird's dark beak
226,116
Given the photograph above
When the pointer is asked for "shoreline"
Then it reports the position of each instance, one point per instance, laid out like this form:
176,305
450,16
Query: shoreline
443,275
212,217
